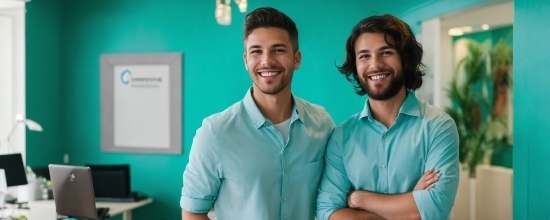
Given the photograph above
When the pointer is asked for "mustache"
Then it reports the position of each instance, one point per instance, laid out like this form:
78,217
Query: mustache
382,70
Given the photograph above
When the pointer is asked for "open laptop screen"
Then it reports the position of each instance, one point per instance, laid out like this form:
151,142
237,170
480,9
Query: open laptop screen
14,169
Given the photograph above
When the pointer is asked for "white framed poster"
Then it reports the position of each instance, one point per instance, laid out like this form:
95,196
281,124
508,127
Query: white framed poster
141,98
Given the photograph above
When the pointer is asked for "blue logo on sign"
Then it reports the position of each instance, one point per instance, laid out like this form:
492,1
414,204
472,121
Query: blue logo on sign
125,77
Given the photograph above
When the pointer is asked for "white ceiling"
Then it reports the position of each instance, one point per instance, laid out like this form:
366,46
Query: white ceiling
12,3
494,15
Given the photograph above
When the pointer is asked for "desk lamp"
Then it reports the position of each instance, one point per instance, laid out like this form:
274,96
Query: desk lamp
32,125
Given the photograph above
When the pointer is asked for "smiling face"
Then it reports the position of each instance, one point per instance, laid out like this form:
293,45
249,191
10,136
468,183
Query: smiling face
379,67
270,60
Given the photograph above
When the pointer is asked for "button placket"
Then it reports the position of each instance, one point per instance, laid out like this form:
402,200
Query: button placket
285,182
382,159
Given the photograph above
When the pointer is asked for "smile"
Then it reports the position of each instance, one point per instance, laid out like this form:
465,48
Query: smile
267,74
378,77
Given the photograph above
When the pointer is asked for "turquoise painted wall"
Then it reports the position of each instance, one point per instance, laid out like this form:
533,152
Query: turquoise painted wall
43,83
78,32
531,103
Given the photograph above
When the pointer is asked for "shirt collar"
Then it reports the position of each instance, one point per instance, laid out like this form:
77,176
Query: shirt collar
410,106
259,119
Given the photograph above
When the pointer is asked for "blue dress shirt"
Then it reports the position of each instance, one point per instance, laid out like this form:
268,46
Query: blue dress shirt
362,154
240,164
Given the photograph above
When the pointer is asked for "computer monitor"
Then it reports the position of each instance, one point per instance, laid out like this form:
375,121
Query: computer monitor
43,172
111,181
14,169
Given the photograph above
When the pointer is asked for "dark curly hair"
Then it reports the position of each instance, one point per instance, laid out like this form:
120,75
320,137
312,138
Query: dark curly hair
406,45
269,17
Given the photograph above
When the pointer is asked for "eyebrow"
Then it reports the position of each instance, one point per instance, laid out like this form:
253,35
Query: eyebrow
272,46
381,48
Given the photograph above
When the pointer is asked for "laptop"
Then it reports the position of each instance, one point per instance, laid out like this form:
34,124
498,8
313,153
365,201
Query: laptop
73,192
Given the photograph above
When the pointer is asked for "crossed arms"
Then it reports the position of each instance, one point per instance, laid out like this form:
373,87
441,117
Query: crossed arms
370,205
338,200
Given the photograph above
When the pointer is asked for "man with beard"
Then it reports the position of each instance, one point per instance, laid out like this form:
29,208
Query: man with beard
375,158
263,157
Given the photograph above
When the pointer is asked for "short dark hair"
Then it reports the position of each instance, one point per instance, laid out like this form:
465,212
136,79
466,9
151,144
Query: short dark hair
405,43
269,17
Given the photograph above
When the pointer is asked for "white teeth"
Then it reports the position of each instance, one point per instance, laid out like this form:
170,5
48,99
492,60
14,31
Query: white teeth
269,73
377,77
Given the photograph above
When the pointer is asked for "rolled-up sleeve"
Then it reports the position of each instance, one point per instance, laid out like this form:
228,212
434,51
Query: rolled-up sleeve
202,176
335,184
437,203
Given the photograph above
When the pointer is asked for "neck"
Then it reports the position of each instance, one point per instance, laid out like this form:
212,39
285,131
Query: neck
275,107
386,111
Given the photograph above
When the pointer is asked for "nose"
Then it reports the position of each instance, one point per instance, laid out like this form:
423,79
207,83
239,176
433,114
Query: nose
267,60
376,63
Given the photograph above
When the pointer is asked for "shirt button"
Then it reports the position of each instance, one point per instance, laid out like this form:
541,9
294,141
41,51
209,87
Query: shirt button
285,169
383,166
384,136
284,198
284,216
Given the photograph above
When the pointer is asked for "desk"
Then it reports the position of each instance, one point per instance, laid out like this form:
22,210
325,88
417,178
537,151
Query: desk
45,209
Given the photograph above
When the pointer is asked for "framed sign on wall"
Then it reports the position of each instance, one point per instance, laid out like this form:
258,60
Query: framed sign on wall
141,103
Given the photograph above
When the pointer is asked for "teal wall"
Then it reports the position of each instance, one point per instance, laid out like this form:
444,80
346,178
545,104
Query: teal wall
43,83
65,39
531,103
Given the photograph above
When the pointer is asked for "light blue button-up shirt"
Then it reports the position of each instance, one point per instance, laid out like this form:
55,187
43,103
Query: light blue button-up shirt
240,164
362,154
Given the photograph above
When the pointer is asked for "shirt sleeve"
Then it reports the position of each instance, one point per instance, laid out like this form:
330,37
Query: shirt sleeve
442,155
335,184
202,176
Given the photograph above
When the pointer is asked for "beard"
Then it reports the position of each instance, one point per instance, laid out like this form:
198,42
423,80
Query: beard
383,94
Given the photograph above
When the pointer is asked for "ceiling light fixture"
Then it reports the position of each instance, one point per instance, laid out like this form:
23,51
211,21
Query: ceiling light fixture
455,32
466,28
223,10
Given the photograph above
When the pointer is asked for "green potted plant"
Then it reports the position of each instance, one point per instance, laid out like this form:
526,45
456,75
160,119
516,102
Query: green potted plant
480,122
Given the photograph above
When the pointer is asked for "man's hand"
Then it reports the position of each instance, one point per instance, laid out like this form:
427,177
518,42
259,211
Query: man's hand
427,181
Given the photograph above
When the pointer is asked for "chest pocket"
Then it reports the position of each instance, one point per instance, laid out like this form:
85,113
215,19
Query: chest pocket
309,175
315,170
